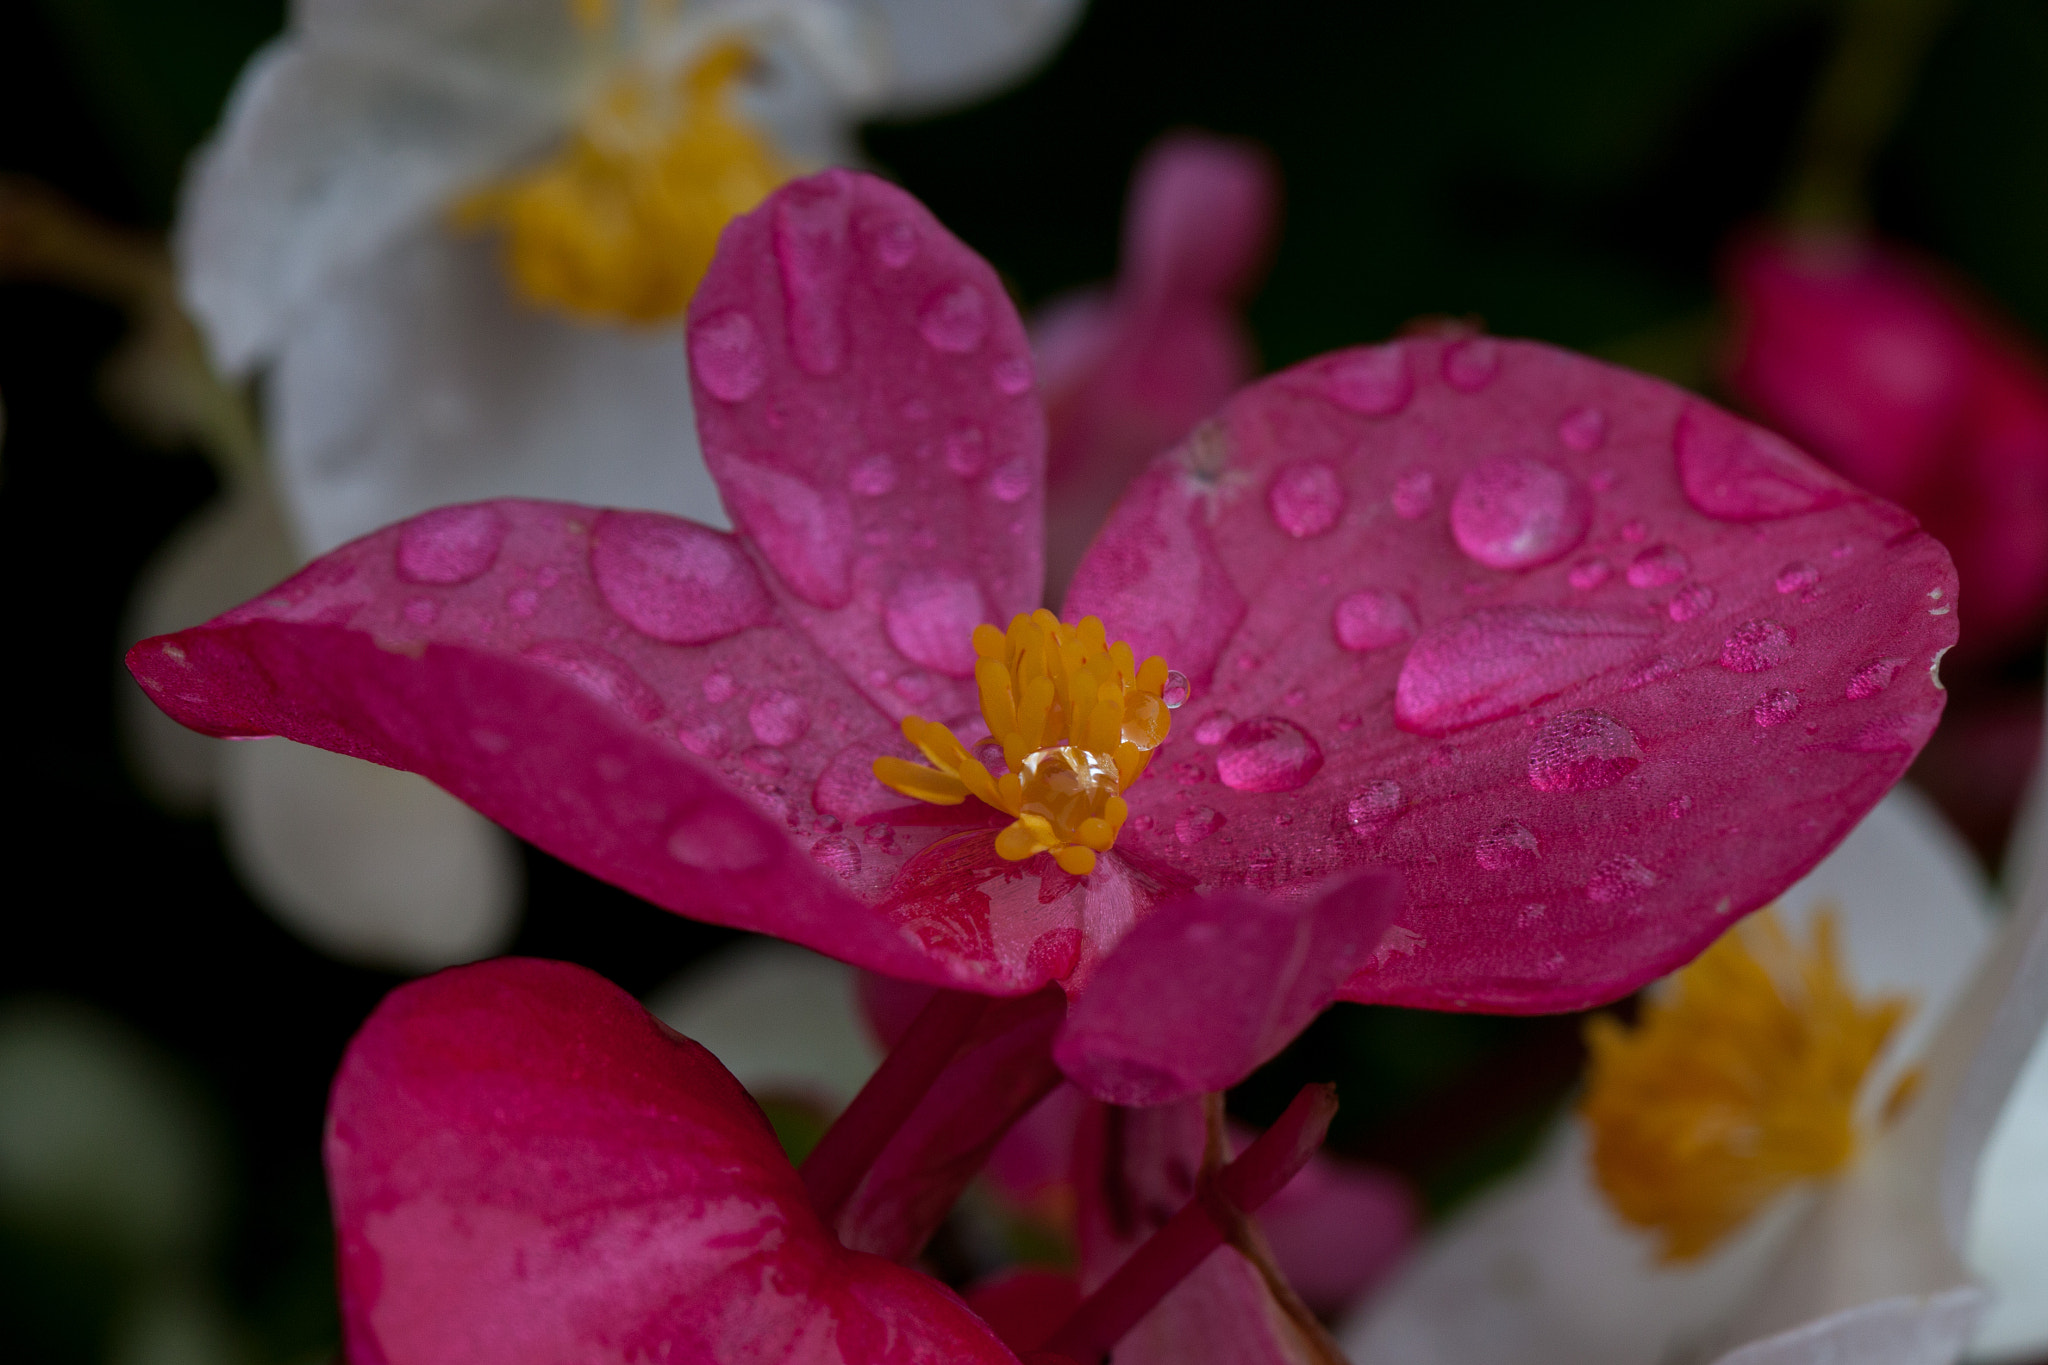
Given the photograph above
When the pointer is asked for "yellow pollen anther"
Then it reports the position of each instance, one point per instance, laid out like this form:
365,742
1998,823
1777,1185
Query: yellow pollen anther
1738,1082
621,222
1076,719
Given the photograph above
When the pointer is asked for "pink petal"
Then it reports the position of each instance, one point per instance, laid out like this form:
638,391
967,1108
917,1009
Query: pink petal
619,688
1338,1229
1580,784
1207,988
1201,219
527,1167
864,399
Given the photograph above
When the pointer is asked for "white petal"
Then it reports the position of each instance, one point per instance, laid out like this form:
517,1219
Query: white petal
226,553
778,1016
1907,1330
321,159
368,864
2008,1246
945,51
420,381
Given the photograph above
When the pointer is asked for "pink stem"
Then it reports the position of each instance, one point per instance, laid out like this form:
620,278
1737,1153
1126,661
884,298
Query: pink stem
1171,1254
835,1166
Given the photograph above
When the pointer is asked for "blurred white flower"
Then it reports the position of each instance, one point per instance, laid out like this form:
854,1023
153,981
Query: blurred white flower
459,234
1860,1265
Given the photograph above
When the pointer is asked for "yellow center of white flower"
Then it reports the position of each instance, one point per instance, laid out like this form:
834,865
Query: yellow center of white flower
620,223
1738,1082
1072,718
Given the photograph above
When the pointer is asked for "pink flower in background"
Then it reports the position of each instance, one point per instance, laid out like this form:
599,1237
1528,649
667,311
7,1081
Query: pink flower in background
1128,371
1591,665
1890,371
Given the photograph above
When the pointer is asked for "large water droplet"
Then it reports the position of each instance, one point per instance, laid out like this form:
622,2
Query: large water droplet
1197,823
1739,472
1775,707
778,718
1509,844
1373,618
954,319
1583,430
931,616
598,674
1690,602
807,534
1373,381
1502,660
1306,499
1414,494
1267,754
837,854
1755,646
726,356
1658,566
872,477
717,838
811,254
1582,751
1373,807
1873,678
673,580
1797,576
1515,513
1177,690
451,545
1471,364
1619,878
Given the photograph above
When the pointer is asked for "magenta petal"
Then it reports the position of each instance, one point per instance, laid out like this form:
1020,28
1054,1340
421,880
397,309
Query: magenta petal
527,1167
864,396
1626,695
1208,987
1338,1229
618,688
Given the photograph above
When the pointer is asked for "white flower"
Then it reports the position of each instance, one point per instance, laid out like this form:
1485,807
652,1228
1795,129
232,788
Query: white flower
388,169
1862,1265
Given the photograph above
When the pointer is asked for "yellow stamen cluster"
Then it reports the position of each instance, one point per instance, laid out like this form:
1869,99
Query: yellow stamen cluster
1737,1083
621,222
1077,719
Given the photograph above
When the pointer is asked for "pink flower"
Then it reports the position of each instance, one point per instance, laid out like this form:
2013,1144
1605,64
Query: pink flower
1890,371
1591,665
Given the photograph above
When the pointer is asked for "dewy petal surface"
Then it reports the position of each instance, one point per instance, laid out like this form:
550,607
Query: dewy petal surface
527,1167
1585,766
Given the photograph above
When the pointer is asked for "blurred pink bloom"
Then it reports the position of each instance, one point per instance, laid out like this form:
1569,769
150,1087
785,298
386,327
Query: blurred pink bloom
1891,371
1586,665
1128,371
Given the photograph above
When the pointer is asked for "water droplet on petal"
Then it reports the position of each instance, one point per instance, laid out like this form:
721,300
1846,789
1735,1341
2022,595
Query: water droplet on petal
1690,602
1797,576
1197,823
1516,513
1634,531
719,687
1755,646
1502,660
931,616
895,243
837,854
1373,381
522,603
1414,494
1509,844
1176,691
1873,678
954,319
1214,727
726,356
1373,618
1373,807
1738,472
451,545
1012,482
1655,671
673,580
1012,377
423,611
598,674
717,838
872,477
1580,751
811,256
778,718
1267,754
1619,878
989,754
1583,430
1588,574
1775,707
807,533
966,451
706,738
1658,566
1306,499
1471,364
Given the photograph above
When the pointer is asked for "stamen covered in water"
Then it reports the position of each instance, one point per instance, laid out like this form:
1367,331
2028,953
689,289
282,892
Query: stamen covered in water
1738,1082
1072,718
620,223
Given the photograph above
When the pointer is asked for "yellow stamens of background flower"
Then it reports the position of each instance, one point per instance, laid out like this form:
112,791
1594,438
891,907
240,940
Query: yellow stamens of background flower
621,222
1737,1083
1075,719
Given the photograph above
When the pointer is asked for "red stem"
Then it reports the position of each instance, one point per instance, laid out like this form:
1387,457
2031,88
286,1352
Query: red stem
850,1146
1171,1254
